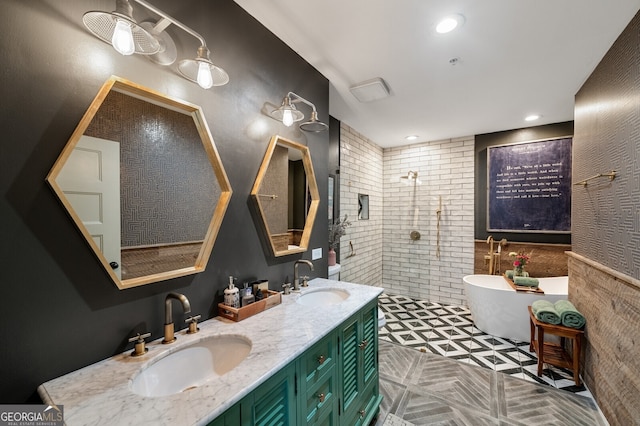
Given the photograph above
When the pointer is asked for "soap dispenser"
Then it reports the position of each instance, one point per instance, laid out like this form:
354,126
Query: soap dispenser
231,295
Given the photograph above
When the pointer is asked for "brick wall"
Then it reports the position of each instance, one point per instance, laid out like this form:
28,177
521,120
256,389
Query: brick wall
361,173
385,255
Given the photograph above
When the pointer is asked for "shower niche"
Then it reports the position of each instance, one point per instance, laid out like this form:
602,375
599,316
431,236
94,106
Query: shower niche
363,207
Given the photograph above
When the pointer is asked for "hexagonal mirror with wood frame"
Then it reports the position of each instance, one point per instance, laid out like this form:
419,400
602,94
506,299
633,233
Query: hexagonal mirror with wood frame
142,180
286,195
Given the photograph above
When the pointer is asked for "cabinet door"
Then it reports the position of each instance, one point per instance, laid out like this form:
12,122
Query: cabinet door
349,366
359,366
367,408
272,403
370,342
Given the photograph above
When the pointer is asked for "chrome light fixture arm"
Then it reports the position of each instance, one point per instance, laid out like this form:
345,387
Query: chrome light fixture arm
161,25
299,98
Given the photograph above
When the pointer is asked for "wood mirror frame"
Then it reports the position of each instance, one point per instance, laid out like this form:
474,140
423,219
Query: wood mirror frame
139,119
273,192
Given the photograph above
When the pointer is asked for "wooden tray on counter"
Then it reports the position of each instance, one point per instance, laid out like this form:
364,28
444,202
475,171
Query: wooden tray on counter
273,298
523,288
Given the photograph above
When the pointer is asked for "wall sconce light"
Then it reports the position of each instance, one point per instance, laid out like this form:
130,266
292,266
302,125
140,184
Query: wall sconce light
121,30
289,114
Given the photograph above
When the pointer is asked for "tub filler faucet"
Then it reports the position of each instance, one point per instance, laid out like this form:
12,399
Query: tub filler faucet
296,277
169,336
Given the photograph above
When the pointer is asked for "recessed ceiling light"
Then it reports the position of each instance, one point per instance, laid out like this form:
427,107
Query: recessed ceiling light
532,117
449,23
411,137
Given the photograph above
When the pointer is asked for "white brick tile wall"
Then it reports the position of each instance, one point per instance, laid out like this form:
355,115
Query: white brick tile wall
361,173
385,254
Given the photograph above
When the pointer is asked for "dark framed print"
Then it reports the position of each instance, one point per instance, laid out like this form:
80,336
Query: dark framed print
529,186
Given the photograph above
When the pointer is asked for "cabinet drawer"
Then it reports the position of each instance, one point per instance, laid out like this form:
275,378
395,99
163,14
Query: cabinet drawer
321,398
319,360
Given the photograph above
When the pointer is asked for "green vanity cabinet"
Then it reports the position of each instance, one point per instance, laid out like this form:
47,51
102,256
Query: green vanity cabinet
318,384
272,403
334,382
358,367
231,417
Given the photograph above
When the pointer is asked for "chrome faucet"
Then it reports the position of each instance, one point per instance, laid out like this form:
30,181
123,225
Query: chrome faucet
169,336
296,277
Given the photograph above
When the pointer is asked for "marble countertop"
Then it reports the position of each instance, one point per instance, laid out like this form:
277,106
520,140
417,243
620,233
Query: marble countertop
99,394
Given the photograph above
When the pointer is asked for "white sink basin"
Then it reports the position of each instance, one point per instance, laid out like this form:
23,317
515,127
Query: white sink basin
323,296
191,366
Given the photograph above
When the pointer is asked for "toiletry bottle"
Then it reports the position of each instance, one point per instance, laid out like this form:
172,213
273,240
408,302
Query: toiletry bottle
231,295
247,297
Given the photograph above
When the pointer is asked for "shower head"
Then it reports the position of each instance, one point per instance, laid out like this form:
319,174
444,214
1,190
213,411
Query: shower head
410,177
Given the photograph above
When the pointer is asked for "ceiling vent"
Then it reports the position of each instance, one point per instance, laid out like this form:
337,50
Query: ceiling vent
370,90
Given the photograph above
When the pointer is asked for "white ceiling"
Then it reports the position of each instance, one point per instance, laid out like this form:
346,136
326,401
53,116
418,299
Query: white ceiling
515,58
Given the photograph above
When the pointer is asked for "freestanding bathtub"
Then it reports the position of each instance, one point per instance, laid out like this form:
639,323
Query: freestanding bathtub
499,310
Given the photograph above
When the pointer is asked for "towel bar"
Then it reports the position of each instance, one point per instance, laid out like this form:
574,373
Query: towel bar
611,175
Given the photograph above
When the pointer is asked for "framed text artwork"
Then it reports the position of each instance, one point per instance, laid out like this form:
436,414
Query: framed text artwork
529,186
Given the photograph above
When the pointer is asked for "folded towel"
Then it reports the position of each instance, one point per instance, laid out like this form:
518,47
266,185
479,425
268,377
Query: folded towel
509,274
526,281
545,311
569,315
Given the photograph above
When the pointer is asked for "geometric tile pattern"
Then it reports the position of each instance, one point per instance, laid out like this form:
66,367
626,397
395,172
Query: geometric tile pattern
449,331
168,188
427,389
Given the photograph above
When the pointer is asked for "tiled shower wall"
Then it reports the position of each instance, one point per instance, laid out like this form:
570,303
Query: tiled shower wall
414,268
361,173
384,252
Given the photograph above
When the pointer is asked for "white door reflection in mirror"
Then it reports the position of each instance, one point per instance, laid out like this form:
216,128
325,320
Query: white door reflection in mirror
90,180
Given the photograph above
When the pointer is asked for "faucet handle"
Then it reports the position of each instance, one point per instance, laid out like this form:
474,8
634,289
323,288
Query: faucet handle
139,348
287,288
305,279
193,324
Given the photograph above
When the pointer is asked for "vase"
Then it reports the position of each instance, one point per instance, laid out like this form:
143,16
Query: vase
518,272
332,257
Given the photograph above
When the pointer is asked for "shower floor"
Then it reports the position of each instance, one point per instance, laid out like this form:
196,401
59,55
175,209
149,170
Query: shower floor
449,331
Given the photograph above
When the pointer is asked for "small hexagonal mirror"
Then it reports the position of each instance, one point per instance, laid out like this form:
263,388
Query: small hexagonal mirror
286,196
142,180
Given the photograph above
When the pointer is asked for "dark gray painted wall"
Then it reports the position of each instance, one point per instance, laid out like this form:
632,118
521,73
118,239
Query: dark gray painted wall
59,309
502,138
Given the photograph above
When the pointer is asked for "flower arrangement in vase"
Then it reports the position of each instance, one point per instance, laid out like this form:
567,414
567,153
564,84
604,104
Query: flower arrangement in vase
519,261
336,231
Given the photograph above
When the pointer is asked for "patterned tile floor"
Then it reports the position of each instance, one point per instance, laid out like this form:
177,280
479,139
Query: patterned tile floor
420,389
449,331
